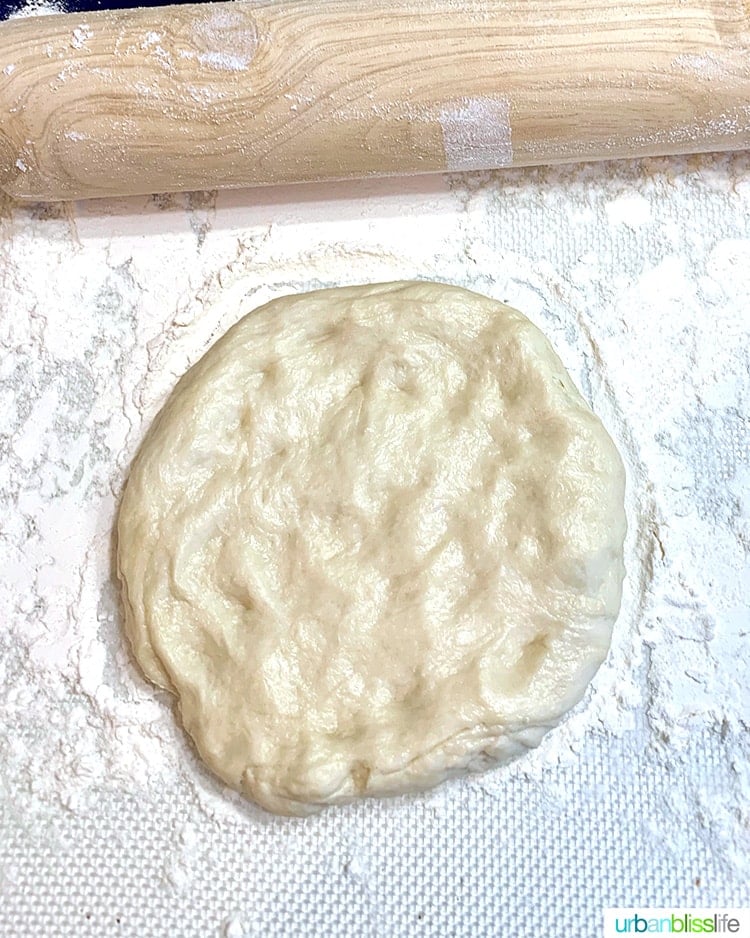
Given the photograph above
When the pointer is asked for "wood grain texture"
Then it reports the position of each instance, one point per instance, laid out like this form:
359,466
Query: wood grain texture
249,93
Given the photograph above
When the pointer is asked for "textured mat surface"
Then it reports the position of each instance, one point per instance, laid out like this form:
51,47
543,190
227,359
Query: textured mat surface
640,275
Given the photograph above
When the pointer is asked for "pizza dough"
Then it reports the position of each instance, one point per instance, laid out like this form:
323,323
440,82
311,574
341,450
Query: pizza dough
374,538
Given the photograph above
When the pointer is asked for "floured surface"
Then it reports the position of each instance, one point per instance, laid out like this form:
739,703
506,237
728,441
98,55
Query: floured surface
638,273
373,539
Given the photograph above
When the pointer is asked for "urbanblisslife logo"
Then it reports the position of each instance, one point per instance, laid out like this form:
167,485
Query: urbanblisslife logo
732,922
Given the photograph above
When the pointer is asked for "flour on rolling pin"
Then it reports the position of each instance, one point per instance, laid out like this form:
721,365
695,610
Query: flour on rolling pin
233,94
230,41
477,134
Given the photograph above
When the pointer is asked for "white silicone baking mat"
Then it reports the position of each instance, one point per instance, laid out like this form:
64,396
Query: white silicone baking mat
640,275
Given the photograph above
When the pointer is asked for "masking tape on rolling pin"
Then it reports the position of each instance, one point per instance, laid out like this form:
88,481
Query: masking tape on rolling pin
247,93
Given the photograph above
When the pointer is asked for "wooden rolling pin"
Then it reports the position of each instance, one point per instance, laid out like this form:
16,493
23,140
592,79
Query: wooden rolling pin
247,93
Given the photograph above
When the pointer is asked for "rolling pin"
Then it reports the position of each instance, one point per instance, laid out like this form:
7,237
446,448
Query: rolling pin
198,96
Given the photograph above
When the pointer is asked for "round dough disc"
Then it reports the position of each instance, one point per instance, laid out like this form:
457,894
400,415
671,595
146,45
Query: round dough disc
374,538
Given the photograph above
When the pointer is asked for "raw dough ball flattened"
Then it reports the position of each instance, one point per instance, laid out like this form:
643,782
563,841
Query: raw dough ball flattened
374,538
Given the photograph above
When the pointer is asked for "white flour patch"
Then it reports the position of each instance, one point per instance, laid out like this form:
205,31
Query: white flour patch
729,124
225,40
80,35
706,66
164,58
151,38
631,210
223,61
477,134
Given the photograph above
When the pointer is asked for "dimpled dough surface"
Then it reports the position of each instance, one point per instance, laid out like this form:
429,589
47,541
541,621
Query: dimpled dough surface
374,538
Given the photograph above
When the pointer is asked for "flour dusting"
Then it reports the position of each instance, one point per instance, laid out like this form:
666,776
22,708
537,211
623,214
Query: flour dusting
639,274
80,35
477,133
706,65
224,39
